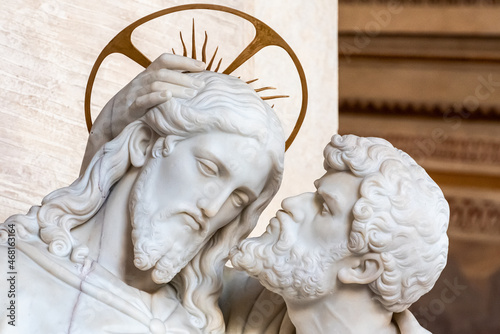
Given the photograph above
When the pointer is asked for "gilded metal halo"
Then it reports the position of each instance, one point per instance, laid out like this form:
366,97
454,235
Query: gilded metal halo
264,37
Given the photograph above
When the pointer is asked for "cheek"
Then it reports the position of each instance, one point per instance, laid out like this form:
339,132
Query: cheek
209,188
225,216
324,229
338,230
178,180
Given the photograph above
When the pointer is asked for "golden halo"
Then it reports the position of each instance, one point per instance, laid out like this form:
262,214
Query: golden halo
264,37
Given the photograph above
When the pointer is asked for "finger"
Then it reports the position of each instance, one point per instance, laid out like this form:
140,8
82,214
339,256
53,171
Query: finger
175,62
148,101
173,77
176,90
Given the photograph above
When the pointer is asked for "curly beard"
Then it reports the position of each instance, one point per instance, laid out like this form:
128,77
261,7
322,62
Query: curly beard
151,250
284,268
150,235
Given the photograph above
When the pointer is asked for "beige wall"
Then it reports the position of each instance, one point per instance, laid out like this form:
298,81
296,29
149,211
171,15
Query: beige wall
47,49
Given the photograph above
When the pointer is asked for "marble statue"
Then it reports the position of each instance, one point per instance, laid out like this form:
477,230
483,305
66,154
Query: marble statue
178,167
354,255
138,243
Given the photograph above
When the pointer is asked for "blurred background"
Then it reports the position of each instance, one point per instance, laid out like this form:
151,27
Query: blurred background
426,76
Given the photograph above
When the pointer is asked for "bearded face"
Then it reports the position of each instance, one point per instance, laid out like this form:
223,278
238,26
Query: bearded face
299,255
283,266
154,238
181,199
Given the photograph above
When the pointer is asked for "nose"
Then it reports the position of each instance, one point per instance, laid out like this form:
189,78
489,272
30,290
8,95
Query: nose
299,206
210,206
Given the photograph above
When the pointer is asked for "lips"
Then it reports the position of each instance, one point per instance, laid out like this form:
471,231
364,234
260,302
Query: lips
278,223
194,222
283,217
273,226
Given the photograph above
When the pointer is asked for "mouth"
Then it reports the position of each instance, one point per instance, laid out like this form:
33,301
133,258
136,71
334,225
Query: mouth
282,216
273,226
276,224
195,222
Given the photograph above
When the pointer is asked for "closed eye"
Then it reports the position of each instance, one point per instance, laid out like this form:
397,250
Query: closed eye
239,199
325,210
207,167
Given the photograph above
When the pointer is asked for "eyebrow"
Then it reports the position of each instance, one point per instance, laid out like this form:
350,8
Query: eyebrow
212,156
222,166
327,197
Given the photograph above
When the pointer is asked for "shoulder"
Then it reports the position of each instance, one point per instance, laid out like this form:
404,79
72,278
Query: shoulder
408,324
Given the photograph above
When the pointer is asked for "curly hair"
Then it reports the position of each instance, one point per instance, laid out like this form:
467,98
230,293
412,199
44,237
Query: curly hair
401,215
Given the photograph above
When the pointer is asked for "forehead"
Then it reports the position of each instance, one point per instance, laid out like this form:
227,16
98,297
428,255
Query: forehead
335,183
240,158
231,150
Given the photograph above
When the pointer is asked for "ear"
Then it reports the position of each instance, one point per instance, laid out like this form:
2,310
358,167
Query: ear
362,270
164,146
139,145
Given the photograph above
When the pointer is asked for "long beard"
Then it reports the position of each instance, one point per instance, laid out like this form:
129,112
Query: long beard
150,235
287,270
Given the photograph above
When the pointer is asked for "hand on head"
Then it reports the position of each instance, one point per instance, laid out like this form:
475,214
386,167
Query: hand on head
162,80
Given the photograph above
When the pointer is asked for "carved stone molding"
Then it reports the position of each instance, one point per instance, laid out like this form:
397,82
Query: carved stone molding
475,216
359,106
454,149
465,156
463,47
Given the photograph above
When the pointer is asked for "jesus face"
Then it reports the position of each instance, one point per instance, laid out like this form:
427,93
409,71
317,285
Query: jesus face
300,252
179,201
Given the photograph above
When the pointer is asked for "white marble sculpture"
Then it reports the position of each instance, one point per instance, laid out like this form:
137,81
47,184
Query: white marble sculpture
138,243
354,255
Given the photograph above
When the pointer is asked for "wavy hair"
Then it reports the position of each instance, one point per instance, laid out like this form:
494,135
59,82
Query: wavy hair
225,104
401,215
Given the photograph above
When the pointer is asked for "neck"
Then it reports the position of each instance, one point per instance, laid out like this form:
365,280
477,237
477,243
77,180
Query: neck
108,236
351,309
